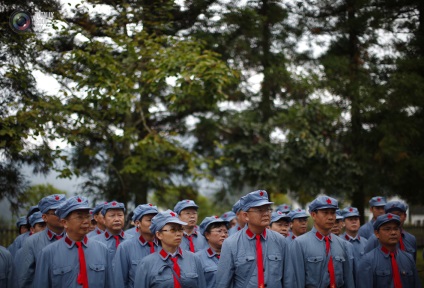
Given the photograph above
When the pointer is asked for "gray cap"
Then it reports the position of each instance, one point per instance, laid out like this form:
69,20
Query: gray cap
163,218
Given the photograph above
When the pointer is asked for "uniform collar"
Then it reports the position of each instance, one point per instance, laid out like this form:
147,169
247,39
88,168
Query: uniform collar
108,235
51,234
386,252
192,234
144,242
165,255
211,253
99,231
251,235
319,236
70,243
350,238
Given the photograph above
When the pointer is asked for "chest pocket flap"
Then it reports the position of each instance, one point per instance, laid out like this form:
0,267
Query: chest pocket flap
382,273
97,267
339,258
315,259
275,257
62,270
211,269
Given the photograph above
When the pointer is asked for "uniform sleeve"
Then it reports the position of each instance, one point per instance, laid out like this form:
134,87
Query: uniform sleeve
42,272
288,279
7,266
297,276
364,273
226,267
348,265
201,279
26,267
141,276
120,268
371,244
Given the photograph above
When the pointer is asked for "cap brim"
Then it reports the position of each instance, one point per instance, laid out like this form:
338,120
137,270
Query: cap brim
350,215
176,221
259,203
327,207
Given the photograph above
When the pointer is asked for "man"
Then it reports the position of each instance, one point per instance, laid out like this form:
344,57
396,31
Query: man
17,243
255,256
320,259
230,217
239,219
7,269
298,224
74,261
280,223
386,265
192,240
131,252
376,208
33,245
114,216
283,208
338,226
100,221
22,225
407,241
37,223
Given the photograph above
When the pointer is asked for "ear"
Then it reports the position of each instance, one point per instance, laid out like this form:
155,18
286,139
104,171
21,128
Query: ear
245,215
64,223
159,235
32,230
377,234
44,216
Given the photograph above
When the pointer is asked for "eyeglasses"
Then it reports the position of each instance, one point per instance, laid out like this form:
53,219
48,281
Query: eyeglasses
81,217
261,210
220,231
173,230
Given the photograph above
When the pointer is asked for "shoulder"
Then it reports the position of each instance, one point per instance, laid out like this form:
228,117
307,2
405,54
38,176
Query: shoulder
4,253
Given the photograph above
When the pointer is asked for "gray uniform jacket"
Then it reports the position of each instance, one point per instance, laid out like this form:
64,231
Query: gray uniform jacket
237,266
310,262
61,266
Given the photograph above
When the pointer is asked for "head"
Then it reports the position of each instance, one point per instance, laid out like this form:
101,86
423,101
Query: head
338,226
168,228
215,231
48,206
377,206
142,218
98,216
280,223
230,217
283,208
351,220
398,208
323,212
36,222
387,230
22,225
299,221
75,216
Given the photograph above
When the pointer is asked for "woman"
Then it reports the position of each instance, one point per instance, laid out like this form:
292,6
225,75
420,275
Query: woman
170,267
215,231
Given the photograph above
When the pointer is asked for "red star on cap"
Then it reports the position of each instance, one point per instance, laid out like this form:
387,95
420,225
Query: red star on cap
216,217
378,199
389,216
225,215
172,214
328,200
79,199
56,197
105,202
261,193
299,210
285,207
279,212
350,209
150,204
113,203
188,201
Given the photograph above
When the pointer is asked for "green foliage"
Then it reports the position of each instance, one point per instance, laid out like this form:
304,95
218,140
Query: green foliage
35,193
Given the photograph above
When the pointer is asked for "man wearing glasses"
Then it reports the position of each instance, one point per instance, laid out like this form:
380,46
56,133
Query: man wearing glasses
74,261
255,256
192,240
33,245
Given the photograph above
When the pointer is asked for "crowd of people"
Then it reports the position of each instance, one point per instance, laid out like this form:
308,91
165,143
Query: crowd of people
67,243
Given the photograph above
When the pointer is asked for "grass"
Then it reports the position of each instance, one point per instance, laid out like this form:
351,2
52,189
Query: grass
420,265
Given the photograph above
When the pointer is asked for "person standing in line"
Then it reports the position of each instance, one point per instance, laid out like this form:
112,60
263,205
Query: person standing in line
321,259
241,222
131,252
298,224
338,226
255,256
283,208
407,241
114,215
74,261
280,223
376,208
33,245
192,241
230,217
170,267
100,221
7,269
18,242
387,265
215,231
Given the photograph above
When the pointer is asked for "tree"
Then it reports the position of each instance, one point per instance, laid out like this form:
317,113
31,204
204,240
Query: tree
35,193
